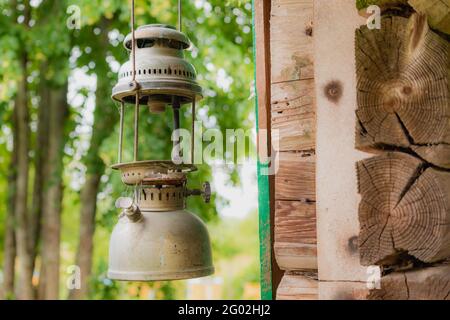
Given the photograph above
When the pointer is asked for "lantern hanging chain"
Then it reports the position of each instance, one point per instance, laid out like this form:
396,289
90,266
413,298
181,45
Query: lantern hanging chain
122,111
136,126
134,84
193,130
133,42
179,15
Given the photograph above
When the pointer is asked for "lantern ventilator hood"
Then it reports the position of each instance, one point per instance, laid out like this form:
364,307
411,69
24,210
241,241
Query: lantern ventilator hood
161,69
155,237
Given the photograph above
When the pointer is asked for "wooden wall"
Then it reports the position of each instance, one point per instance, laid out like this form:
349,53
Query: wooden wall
293,136
330,193
340,273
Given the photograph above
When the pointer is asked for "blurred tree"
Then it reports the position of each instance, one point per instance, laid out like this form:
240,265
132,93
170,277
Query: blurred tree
105,117
43,149
51,170
21,150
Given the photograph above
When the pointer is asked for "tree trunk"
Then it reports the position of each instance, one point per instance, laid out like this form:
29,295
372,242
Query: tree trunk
35,223
21,144
10,243
9,258
105,117
87,228
404,210
51,226
403,89
39,161
21,147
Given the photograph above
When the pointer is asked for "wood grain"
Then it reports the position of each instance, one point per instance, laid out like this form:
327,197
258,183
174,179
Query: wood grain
293,133
337,197
403,88
404,210
270,273
295,222
293,115
291,44
298,287
343,290
432,283
295,235
295,179
437,11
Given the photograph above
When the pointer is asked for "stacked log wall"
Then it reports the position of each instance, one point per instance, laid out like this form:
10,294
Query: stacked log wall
403,116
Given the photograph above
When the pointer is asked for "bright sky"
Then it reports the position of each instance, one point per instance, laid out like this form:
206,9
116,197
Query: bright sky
242,199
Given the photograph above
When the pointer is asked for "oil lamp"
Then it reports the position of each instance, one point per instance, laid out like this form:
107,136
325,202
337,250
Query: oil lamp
156,238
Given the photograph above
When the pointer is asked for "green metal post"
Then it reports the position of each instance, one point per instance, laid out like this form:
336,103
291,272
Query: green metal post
263,204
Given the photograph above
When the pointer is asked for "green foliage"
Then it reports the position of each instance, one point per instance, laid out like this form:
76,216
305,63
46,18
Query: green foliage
103,288
362,4
222,53
236,252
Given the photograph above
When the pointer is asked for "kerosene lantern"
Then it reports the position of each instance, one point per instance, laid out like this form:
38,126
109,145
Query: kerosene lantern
155,237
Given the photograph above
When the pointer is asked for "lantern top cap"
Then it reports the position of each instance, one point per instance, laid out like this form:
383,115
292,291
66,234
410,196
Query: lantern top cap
158,31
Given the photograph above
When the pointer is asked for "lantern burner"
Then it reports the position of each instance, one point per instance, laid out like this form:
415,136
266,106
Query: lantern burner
152,171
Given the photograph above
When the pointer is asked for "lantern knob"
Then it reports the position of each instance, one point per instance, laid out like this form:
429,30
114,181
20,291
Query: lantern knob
206,192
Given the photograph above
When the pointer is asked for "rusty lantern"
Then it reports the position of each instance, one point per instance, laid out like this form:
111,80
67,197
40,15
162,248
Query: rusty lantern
155,237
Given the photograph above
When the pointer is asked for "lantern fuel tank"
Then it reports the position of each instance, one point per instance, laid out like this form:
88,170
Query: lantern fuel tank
155,237
167,245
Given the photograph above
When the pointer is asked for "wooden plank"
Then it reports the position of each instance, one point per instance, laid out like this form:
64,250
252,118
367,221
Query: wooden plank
432,283
293,127
295,235
270,273
293,115
296,256
295,222
343,290
298,287
337,198
291,42
295,179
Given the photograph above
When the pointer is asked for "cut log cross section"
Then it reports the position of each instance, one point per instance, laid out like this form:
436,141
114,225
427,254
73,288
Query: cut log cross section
404,211
403,89
424,284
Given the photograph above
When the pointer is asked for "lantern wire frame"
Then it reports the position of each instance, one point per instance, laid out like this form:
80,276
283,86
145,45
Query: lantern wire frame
135,87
